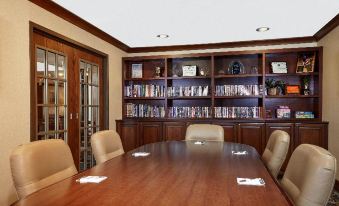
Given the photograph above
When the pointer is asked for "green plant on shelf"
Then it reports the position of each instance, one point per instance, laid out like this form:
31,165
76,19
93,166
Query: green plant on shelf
275,87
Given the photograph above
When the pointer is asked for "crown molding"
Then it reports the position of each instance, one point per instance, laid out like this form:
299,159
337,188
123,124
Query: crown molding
65,14
327,28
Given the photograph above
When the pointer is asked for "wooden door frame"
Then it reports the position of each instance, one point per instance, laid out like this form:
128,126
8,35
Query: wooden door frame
36,28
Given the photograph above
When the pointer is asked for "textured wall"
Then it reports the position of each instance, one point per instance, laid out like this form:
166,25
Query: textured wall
15,77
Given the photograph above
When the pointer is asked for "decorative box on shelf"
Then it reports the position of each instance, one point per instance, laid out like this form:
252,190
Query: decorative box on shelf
283,112
304,115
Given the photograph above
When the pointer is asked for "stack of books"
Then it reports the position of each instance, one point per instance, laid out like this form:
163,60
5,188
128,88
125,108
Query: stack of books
304,115
238,90
237,112
148,90
144,110
189,112
190,91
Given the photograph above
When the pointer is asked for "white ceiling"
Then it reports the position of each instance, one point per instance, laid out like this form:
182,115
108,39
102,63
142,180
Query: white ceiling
137,22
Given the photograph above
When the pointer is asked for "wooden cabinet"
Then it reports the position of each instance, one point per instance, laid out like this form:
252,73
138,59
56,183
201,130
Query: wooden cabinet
128,132
174,130
252,134
230,131
311,134
150,132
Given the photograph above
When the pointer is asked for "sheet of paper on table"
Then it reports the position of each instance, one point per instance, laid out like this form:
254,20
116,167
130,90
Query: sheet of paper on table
91,179
249,181
199,142
140,154
239,152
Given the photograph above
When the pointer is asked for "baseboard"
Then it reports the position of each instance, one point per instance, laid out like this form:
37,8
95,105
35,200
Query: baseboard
336,185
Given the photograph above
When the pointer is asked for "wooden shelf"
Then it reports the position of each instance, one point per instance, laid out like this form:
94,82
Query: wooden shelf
238,97
144,98
292,96
197,97
195,77
143,79
237,76
293,74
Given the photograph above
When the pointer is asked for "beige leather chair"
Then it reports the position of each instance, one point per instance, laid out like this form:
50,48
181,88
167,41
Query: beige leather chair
39,164
309,176
106,145
276,151
208,132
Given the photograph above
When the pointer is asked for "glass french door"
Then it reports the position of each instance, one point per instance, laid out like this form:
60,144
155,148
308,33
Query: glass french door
51,88
89,110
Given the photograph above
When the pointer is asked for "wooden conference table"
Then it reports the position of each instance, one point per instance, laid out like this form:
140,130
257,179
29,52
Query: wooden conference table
175,173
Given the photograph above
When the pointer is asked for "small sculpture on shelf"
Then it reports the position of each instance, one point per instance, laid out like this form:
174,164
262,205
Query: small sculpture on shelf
254,70
306,85
236,67
203,71
157,72
176,71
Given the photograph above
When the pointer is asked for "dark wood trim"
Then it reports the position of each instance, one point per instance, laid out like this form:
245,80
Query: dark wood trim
336,185
327,28
308,39
65,14
33,27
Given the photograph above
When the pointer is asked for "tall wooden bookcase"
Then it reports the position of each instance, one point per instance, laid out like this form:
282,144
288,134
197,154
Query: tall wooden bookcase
256,69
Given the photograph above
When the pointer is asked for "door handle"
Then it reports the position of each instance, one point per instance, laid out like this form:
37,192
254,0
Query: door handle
77,115
70,116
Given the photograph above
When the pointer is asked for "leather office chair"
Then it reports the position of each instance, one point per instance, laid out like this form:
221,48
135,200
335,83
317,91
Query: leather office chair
208,132
309,176
276,151
106,145
39,164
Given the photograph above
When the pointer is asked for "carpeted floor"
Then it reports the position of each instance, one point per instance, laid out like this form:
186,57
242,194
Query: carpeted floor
334,199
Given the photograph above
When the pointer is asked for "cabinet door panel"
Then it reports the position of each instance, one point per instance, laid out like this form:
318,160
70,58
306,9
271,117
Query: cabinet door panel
252,134
150,132
315,134
174,130
287,127
129,135
230,131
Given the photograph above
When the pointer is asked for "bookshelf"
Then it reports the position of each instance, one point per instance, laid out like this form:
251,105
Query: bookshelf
214,87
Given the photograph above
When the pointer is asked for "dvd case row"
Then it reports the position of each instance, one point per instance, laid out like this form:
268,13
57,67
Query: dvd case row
145,90
189,91
189,112
238,90
144,110
237,112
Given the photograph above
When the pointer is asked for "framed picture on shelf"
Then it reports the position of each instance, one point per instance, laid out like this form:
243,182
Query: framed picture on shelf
136,70
292,89
279,67
189,71
305,63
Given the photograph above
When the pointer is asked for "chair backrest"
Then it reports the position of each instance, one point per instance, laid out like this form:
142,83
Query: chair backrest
310,175
276,151
39,164
208,132
106,145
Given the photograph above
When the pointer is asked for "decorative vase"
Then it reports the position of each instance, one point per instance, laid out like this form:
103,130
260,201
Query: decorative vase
272,91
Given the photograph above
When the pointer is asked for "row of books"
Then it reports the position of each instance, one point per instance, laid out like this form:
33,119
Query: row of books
144,90
144,110
237,112
189,91
189,112
238,90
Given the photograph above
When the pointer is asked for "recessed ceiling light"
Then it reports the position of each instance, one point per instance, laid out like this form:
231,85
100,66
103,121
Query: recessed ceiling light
262,29
162,36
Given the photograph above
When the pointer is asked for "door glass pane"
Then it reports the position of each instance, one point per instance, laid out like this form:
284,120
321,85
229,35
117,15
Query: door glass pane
95,116
51,136
89,95
82,94
40,64
82,72
95,75
89,73
41,137
51,64
61,93
61,117
61,136
40,91
42,119
51,92
82,138
51,118
89,117
82,116
95,95
61,67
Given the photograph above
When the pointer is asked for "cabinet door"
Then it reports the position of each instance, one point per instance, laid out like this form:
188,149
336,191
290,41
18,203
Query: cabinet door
174,130
129,135
230,131
252,134
311,134
287,127
150,132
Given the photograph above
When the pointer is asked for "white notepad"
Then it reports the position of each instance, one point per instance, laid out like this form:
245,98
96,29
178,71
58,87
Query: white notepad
199,142
91,179
249,181
239,152
140,154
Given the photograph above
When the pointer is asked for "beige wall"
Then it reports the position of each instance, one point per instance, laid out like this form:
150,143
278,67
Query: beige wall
15,77
331,89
